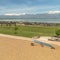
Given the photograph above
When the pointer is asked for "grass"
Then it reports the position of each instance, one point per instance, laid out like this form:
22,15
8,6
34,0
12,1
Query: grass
29,31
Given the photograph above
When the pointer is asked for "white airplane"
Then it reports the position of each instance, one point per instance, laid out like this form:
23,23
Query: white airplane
42,44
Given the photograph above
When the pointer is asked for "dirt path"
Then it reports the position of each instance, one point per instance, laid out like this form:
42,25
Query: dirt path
16,37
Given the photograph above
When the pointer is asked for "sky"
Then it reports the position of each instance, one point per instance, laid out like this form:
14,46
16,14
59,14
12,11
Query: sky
28,6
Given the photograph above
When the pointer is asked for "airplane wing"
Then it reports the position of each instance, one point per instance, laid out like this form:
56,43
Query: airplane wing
43,43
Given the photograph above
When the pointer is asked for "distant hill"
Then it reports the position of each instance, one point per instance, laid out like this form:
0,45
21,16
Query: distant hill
35,16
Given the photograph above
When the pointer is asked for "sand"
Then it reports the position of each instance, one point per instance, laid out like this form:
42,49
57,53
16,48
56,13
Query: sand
17,49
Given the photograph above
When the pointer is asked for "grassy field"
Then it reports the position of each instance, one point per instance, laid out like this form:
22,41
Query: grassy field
29,31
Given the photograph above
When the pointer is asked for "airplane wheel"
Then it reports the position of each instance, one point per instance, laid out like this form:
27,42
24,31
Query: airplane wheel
42,45
52,48
32,44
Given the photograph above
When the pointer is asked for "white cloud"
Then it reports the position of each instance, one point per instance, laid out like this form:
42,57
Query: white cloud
14,14
53,12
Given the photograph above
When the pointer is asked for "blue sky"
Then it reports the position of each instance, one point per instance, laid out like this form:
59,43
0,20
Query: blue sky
28,6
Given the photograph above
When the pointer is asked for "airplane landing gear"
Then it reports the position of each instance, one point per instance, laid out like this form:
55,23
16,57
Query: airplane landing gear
32,44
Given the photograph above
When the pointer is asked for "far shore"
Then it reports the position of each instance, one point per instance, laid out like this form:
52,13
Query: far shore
9,23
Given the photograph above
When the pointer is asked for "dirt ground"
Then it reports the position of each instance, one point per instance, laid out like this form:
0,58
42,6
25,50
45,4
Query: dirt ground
16,49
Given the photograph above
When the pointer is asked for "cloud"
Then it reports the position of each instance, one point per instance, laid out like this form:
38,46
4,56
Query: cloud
14,14
53,12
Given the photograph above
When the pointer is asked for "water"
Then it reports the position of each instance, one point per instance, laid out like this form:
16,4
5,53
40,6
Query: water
32,20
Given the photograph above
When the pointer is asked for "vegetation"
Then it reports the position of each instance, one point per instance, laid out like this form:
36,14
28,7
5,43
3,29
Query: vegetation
29,31
58,32
15,29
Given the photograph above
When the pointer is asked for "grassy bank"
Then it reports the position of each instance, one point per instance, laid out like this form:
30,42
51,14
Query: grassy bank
29,31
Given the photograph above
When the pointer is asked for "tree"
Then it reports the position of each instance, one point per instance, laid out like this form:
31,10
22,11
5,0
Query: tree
58,32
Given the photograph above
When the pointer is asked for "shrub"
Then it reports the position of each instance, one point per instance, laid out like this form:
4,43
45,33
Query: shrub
16,28
58,32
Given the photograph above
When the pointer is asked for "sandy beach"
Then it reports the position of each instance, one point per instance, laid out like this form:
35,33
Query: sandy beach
14,48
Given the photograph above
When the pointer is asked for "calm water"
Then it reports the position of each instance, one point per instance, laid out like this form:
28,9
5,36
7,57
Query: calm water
33,20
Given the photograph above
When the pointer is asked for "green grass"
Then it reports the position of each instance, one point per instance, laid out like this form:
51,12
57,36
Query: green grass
29,31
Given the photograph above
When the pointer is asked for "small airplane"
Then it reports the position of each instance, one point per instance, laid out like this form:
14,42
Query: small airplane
42,44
